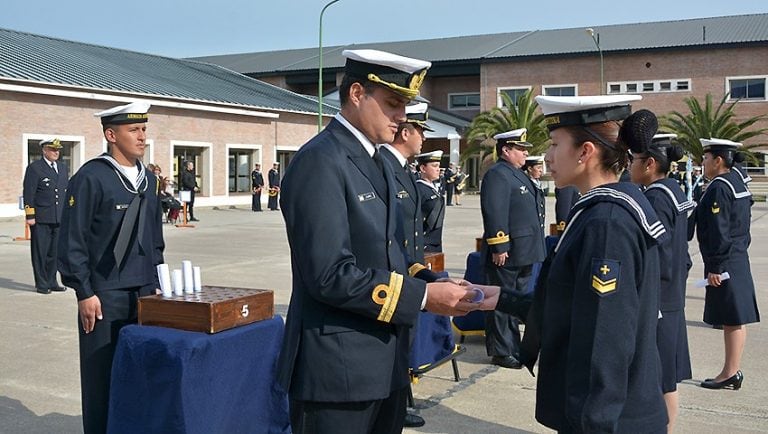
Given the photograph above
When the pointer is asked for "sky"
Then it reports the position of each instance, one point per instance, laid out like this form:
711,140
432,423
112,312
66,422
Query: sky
188,28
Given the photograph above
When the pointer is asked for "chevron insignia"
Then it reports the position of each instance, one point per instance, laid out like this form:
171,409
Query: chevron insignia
605,276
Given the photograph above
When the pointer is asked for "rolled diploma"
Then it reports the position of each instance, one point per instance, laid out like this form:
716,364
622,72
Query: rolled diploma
164,276
196,279
178,282
186,267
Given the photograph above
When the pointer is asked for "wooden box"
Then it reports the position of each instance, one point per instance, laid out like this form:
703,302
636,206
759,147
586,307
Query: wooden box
478,244
210,311
435,261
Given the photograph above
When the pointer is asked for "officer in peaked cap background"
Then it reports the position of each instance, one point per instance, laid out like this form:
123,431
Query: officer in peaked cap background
45,188
513,226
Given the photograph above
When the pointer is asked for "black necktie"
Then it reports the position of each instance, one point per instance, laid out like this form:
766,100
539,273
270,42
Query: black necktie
53,166
378,160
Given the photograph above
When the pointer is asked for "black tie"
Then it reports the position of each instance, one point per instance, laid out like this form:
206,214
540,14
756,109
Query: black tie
378,160
53,166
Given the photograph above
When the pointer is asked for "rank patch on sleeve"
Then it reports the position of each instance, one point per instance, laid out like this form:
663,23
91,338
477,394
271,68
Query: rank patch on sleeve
605,276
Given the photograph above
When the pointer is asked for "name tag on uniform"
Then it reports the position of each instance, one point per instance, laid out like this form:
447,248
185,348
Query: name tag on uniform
121,206
363,197
434,196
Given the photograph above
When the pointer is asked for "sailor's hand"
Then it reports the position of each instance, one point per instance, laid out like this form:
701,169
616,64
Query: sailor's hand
90,312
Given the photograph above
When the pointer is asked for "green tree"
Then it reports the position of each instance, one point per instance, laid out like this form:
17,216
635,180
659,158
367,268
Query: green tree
509,117
710,121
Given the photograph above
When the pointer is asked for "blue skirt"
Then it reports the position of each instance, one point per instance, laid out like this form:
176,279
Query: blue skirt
733,303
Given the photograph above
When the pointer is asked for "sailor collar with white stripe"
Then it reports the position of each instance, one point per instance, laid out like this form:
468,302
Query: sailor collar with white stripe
139,185
732,185
429,184
662,185
629,197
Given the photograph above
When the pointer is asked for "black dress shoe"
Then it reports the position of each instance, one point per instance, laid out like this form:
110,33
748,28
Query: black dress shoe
413,420
508,362
733,382
194,220
58,289
43,290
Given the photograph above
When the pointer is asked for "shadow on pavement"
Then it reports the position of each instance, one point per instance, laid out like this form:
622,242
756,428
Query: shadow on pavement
442,419
16,418
12,284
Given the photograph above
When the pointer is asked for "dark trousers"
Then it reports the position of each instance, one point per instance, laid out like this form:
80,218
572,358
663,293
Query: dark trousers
449,194
191,205
502,330
44,242
272,202
97,349
256,202
382,416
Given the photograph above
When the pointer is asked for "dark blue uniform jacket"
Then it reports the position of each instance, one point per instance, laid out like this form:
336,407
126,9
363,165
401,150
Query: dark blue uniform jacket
44,191
353,302
97,201
672,207
599,367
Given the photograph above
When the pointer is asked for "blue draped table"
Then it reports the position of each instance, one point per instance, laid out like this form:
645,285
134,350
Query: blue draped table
173,381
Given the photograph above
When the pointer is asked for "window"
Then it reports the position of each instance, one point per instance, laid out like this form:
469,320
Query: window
560,90
514,93
463,101
749,88
71,153
674,85
240,168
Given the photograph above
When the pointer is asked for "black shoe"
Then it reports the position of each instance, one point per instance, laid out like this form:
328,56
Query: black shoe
43,290
733,382
413,420
58,289
194,220
508,362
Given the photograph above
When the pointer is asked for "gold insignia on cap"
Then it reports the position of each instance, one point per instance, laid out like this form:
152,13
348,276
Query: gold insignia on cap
417,80
551,120
408,92
500,238
524,136
387,296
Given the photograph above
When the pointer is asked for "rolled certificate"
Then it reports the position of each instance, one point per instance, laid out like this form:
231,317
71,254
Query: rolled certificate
164,276
178,282
189,285
197,280
704,282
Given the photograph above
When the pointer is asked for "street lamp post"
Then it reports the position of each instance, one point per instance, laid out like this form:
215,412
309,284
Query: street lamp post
596,40
320,71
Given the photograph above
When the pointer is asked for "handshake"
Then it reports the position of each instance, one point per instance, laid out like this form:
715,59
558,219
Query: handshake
457,297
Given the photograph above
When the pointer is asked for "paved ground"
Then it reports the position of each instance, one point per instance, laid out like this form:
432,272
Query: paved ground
39,386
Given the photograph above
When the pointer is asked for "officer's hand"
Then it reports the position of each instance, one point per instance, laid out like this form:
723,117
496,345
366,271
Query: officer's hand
500,259
491,298
445,298
90,311
31,222
714,279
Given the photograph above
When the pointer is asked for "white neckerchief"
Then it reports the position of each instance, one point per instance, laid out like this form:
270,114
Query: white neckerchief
367,144
403,161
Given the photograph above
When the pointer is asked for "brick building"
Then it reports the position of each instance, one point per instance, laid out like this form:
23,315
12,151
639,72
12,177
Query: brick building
665,62
223,121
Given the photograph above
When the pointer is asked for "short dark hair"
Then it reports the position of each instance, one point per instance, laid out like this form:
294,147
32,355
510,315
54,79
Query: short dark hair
346,84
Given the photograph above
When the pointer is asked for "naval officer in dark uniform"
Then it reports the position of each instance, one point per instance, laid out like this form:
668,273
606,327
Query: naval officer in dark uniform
344,359
513,225
274,186
111,240
723,219
257,184
595,314
649,169
432,202
45,185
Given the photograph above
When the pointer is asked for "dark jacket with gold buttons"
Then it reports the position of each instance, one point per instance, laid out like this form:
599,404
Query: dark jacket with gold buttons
433,210
410,208
44,191
513,215
353,302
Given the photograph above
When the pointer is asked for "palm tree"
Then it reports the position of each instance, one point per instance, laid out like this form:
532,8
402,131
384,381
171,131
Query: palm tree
709,121
509,117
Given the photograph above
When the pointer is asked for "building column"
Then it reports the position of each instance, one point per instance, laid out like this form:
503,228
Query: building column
454,148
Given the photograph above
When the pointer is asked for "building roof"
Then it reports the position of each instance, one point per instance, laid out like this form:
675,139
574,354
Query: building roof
700,32
41,59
